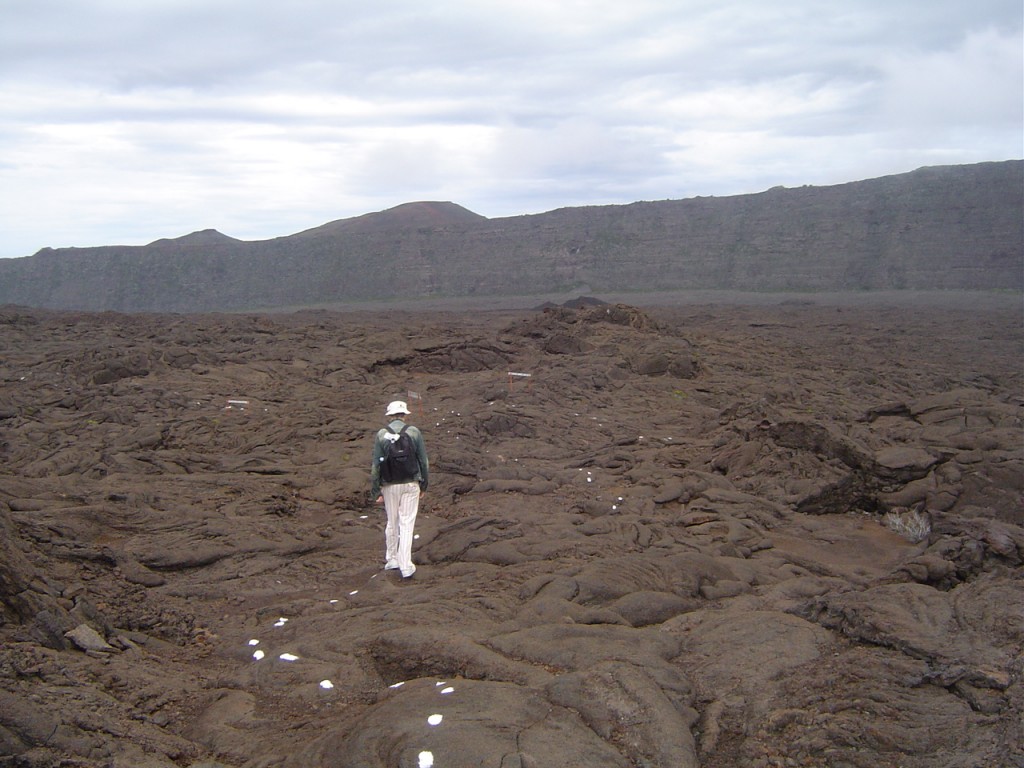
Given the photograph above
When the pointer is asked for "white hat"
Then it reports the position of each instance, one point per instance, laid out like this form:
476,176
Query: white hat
397,408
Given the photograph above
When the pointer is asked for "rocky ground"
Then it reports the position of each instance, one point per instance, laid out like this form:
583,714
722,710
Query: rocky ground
782,534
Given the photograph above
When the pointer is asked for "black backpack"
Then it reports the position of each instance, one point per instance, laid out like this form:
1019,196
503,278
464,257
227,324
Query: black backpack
399,463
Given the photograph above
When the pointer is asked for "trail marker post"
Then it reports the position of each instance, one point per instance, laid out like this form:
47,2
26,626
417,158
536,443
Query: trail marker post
516,376
415,401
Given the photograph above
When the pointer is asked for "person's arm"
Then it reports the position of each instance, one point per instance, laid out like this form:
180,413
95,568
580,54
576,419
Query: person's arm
378,453
421,456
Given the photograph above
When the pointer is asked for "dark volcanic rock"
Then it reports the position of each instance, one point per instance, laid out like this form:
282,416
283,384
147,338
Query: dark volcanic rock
803,550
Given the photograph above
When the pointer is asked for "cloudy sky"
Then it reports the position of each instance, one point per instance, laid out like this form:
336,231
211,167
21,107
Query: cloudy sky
125,121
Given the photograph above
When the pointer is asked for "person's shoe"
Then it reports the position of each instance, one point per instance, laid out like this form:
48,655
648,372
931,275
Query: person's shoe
408,574
391,565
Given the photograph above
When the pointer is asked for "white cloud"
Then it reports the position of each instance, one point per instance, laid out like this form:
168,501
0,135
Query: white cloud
967,85
126,122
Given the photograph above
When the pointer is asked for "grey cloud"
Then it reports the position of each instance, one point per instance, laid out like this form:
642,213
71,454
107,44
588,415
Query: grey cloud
514,106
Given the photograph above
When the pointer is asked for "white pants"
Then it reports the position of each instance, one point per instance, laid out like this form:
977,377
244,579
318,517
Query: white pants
401,502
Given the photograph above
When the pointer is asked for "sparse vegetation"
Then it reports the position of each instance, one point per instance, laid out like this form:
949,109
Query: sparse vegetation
909,523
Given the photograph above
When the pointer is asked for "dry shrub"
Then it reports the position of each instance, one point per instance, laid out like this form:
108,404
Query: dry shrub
909,523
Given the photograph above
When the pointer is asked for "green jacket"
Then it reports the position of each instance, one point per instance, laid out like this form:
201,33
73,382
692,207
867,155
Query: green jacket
379,444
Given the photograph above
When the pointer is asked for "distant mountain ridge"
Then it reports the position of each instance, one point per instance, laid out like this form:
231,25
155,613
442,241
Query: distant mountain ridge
936,228
202,238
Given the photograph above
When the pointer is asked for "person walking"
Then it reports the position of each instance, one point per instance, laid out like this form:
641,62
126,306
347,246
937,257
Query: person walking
397,478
